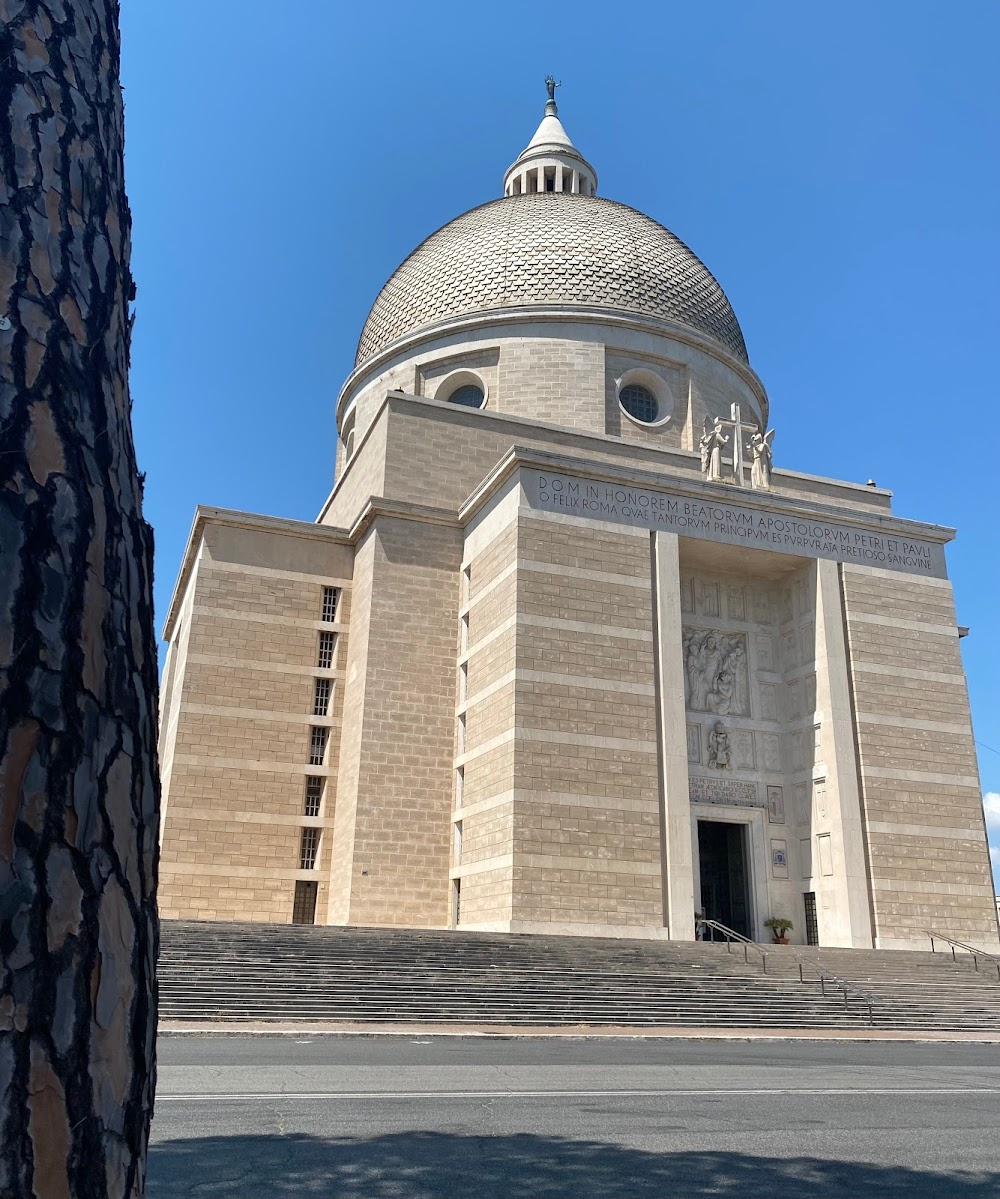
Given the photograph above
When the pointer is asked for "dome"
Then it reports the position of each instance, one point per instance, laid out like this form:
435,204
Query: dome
543,249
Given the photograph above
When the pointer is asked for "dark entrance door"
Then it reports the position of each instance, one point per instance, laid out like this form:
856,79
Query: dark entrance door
725,889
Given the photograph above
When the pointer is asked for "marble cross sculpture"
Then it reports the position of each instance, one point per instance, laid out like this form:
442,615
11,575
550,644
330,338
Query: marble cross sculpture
714,440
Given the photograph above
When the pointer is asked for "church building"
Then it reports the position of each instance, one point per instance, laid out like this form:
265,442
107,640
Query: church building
563,652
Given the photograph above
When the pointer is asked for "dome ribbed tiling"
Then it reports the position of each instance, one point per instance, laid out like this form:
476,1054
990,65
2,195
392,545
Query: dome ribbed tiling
542,249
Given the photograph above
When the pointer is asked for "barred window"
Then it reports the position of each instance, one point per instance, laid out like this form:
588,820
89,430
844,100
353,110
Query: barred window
327,641
309,849
321,699
314,794
317,745
331,596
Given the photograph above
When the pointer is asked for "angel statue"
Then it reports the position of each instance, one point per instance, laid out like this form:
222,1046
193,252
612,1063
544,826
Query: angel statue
711,443
760,469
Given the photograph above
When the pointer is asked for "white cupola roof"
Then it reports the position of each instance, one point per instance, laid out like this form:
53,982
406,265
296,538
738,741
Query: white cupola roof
550,162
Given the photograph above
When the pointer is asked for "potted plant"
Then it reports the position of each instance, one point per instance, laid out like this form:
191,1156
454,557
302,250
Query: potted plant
779,926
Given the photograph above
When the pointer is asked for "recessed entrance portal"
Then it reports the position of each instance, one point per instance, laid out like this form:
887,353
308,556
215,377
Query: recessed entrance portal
724,868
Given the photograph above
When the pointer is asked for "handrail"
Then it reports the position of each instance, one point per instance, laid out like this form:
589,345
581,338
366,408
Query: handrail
824,975
845,986
976,953
731,935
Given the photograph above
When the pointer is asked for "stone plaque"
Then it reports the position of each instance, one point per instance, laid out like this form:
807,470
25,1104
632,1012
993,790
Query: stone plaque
779,859
771,744
736,607
775,805
803,810
737,793
735,523
765,651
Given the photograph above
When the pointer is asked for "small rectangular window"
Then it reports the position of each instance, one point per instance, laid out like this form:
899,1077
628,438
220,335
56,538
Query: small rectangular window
314,794
317,745
331,596
304,903
321,698
327,643
309,849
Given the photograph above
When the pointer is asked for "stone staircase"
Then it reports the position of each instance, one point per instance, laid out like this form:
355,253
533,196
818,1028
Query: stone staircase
270,972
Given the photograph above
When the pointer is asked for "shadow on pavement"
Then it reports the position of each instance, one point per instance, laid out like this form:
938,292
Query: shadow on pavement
432,1165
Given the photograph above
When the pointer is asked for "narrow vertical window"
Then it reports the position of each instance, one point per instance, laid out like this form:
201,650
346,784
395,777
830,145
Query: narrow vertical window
331,596
304,903
309,849
314,794
317,745
321,697
327,643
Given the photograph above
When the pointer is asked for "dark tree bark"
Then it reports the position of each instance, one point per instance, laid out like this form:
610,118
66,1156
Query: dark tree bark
79,793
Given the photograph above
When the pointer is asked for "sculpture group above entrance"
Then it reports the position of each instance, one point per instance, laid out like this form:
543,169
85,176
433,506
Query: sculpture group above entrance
713,443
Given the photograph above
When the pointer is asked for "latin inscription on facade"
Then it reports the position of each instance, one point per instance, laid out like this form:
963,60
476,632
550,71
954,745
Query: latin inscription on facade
734,524
736,792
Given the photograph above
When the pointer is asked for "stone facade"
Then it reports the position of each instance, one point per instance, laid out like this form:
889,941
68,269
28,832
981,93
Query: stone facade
531,671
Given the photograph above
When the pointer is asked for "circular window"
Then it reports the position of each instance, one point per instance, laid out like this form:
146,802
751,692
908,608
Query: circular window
639,402
469,395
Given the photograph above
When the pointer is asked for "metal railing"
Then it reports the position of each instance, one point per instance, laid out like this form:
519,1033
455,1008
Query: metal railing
824,977
992,958
732,937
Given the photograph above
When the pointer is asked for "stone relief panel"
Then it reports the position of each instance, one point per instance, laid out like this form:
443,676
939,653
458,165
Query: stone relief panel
798,751
762,605
694,744
810,684
789,648
687,595
736,604
768,702
708,598
775,805
793,699
765,651
819,794
743,750
716,676
770,744
785,612
801,591
807,635
802,809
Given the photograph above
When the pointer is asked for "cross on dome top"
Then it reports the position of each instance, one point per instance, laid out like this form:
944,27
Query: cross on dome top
550,162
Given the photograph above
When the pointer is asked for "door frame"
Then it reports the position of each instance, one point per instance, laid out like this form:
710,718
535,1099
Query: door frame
753,820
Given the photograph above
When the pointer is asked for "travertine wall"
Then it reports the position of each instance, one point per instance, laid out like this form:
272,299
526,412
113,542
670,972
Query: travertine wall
586,825
919,778
235,734
393,832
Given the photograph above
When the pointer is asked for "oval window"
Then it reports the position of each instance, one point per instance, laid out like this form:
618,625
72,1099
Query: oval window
468,395
639,402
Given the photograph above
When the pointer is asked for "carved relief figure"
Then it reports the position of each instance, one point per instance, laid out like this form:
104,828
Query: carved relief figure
760,468
719,753
715,672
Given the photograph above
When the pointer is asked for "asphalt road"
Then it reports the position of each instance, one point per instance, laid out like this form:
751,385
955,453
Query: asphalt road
446,1118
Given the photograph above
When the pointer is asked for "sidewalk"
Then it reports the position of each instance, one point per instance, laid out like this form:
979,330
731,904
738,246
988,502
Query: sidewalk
231,1028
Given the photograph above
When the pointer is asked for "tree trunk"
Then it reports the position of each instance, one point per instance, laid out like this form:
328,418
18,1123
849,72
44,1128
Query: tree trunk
79,795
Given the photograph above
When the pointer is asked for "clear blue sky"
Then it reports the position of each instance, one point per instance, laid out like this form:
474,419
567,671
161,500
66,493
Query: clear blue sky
835,165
